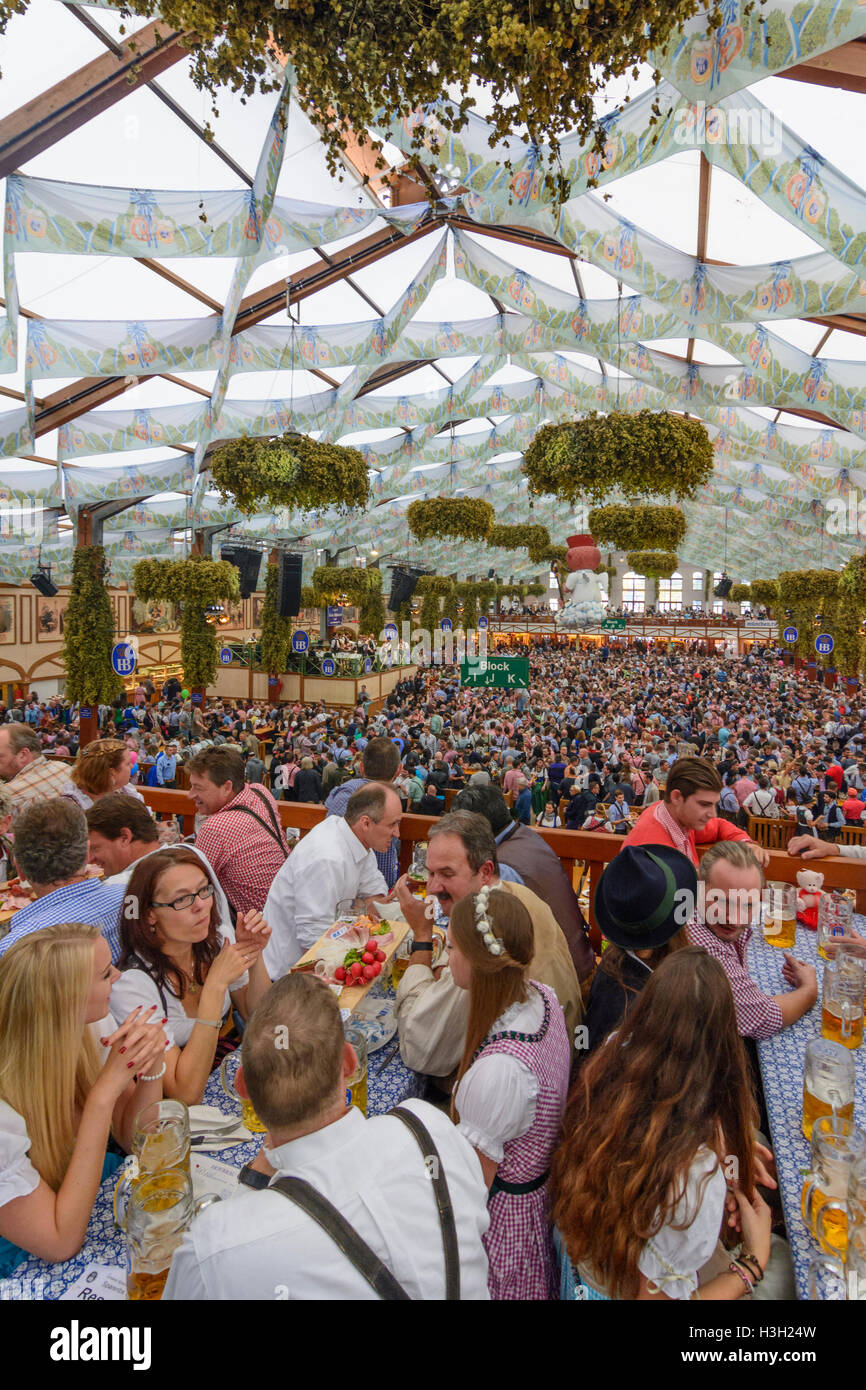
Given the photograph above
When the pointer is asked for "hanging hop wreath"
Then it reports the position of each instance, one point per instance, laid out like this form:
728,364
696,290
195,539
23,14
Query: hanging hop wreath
466,517
295,471
637,528
654,564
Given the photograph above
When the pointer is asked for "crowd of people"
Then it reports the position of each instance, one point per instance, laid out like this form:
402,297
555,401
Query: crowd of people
556,1090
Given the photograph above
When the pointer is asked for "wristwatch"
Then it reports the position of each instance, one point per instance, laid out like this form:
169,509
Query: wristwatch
422,946
252,1177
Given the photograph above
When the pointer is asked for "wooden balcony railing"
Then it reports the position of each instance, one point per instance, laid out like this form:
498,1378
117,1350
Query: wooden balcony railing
583,853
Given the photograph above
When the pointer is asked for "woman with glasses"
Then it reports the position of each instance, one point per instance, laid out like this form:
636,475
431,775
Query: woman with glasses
177,953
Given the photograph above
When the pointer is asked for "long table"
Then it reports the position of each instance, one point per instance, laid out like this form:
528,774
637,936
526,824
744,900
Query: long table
389,1083
782,1058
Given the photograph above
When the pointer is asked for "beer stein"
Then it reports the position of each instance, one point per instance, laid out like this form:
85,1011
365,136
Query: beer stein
350,909
160,1144
780,919
842,1000
828,1083
356,1085
159,1211
836,1146
841,1281
228,1071
835,920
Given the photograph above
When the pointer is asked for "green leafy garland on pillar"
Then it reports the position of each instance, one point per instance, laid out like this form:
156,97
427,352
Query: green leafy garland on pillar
806,593
89,631
193,584
276,631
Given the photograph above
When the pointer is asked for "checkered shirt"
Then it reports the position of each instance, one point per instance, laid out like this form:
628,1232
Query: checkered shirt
39,781
758,1015
244,855
94,903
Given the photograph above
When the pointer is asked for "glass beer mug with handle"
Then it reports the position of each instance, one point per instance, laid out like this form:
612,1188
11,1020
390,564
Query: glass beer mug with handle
228,1071
159,1211
836,1146
837,1280
160,1143
842,1000
780,919
835,920
828,1083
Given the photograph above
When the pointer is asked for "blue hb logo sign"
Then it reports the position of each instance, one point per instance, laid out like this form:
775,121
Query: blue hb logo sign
300,641
226,655
790,634
328,667
824,644
123,658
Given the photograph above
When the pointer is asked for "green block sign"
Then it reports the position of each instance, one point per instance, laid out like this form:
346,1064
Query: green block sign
613,624
505,671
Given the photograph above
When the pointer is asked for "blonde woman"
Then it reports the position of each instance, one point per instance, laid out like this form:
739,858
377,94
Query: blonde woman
102,767
68,1079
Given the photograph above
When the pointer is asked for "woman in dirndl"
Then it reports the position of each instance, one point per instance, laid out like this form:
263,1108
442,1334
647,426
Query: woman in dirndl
512,1086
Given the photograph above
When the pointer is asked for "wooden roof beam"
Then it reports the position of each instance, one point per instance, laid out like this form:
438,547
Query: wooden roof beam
94,88
843,67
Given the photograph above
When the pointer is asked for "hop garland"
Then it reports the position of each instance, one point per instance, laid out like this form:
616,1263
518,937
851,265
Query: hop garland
193,584
466,517
645,454
88,636
637,528
294,472
654,564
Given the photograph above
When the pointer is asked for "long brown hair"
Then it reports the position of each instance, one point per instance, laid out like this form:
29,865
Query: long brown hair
138,940
673,1079
497,981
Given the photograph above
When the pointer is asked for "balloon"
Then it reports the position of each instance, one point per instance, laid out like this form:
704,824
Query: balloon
133,756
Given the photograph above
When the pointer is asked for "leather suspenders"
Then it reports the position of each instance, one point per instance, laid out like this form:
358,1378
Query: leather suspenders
356,1250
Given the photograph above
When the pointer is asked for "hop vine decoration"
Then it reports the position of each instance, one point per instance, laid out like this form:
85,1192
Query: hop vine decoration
466,517
807,593
637,528
654,564
294,472
276,631
193,584
536,539
850,650
764,592
638,455
89,631
331,582
740,593
363,64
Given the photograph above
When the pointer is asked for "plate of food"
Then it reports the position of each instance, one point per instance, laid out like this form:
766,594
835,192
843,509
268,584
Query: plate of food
351,956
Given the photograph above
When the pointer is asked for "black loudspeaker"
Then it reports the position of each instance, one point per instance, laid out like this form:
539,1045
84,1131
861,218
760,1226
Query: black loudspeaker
723,588
41,582
404,581
289,591
248,562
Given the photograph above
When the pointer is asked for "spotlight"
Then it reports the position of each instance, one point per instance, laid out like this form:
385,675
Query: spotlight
41,580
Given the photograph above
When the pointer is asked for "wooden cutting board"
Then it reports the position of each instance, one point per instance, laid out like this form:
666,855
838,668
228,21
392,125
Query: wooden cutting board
351,996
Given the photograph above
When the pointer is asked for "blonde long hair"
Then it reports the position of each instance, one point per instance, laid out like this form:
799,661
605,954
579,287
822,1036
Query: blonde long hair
49,1060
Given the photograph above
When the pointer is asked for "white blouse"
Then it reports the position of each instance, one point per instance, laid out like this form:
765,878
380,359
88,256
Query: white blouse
496,1098
18,1177
137,987
672,1258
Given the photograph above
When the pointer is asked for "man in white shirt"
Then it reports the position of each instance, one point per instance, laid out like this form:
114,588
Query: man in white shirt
334,861
263,1245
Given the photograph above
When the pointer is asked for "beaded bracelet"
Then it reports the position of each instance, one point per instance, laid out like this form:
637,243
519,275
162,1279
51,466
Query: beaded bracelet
752,1263
735,1268
158,1077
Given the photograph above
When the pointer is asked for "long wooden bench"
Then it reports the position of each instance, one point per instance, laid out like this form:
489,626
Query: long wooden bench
581,852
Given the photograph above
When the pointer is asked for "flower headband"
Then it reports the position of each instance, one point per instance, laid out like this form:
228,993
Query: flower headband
483,924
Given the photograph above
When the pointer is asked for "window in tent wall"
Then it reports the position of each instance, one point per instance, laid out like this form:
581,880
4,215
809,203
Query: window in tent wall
718,605
671,593
634,592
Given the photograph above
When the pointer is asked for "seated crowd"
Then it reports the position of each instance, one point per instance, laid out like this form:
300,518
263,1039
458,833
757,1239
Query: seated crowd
583,1112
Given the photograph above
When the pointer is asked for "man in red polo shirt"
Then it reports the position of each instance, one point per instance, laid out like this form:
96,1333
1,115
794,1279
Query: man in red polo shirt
686,815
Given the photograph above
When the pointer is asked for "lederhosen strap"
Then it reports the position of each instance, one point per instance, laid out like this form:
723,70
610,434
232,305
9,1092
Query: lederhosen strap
356,1250
444,1206
275,830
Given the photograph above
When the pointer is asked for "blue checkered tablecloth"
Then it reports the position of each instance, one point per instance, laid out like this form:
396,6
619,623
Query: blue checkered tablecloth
388,1083
782,1060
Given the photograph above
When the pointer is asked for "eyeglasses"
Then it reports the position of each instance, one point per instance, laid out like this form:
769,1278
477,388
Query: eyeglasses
187,900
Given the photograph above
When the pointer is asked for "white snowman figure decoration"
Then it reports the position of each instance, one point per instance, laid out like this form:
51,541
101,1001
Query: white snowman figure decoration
586,602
